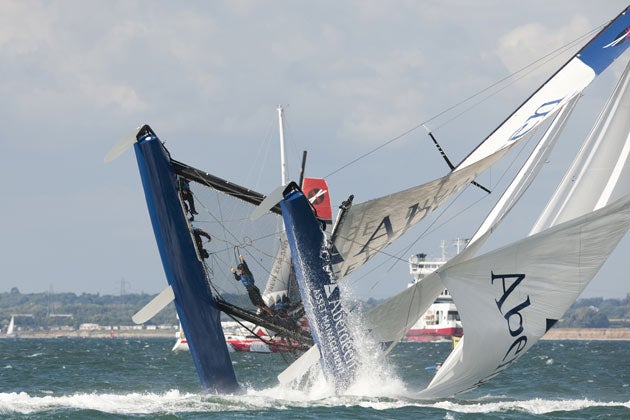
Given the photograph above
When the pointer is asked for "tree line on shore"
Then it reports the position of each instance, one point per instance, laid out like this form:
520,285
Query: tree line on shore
47,310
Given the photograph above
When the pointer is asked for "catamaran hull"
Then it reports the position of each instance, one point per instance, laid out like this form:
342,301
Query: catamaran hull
319,290
195,306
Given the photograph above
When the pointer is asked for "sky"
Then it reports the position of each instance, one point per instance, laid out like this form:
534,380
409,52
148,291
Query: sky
77,76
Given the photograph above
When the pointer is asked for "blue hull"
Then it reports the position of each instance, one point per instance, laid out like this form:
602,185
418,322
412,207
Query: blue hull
319,290
195,305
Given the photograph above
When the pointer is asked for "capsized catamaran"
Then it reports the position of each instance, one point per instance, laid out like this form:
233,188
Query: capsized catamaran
360,231
194,275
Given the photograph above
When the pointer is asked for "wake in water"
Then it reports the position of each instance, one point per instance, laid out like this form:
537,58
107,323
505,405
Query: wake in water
142,378
277,400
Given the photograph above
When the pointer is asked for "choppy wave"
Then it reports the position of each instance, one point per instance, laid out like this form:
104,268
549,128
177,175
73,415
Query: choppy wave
176,402
117,379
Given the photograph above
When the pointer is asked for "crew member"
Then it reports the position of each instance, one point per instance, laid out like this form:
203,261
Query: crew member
198,233
243,274
187,196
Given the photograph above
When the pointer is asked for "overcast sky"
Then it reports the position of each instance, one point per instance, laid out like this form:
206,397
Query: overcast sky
207,76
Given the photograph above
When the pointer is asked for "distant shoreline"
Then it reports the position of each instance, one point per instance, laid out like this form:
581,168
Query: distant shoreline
584,334
613,334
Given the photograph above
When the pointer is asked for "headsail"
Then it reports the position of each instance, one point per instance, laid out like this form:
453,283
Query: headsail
509,298
371,226
512,296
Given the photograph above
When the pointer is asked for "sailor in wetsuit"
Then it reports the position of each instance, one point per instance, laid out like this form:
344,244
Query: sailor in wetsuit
198,233
245,276
187,196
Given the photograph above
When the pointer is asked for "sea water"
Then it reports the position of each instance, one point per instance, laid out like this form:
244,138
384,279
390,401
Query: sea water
141,378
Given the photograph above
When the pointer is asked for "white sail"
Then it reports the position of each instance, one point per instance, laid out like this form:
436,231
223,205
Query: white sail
366,228
11,327
386,323
369,227
389,321
281,282
521,182
599,174
509,298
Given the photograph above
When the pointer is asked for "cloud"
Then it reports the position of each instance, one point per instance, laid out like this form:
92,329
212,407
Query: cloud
25,27
528,43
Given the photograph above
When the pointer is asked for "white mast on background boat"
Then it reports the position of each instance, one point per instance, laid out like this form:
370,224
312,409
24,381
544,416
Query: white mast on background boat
283,162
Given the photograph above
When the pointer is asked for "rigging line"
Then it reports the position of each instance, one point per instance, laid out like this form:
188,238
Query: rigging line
226,278
236,240
219,220
267,146
494,93
374,150
390,257
535,64
458,104
437,218
428,230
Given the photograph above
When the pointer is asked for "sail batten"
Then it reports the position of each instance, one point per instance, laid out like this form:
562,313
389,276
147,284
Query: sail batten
615,176
524,178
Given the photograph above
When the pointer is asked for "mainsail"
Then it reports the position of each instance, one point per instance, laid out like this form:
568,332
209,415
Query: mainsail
509,298
386,323
369,227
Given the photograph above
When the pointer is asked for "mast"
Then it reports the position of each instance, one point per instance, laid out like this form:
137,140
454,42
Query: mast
283,163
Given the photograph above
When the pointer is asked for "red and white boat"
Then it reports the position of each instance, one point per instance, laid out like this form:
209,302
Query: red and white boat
441,321
248,337
245,337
